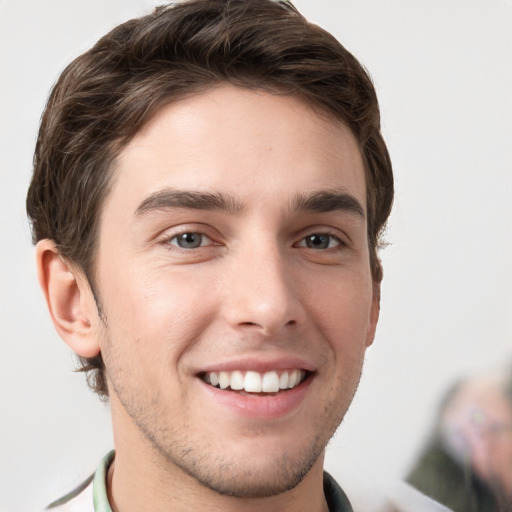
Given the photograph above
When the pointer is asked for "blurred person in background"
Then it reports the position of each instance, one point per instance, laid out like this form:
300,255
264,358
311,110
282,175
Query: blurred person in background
467,465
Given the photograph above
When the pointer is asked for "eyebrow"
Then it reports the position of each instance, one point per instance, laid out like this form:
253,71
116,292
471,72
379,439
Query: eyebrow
320,201
328,201
171,198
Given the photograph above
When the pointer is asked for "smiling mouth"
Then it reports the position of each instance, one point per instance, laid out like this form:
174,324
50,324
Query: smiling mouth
255,382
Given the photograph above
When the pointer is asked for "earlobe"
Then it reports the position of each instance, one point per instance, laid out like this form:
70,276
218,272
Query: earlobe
374,314
68,297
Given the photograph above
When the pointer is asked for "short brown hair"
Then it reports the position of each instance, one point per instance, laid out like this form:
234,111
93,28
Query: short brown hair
105,96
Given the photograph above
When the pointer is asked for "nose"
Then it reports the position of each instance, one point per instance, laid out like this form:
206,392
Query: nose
261,293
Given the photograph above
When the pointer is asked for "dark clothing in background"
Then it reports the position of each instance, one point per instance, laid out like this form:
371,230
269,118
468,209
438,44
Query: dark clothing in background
439,476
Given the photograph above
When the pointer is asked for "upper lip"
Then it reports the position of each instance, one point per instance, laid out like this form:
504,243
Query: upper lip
260,364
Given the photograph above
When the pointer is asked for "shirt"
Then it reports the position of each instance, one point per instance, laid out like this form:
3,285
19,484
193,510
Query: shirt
91,495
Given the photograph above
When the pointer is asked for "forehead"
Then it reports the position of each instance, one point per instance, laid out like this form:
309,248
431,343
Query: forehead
244,142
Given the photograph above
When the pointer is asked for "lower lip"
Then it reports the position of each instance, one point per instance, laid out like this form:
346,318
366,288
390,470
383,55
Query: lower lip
260,407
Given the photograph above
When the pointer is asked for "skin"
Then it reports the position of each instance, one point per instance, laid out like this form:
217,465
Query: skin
255,292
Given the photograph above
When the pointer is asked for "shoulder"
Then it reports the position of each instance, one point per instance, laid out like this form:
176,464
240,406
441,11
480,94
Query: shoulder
89,496
402,497
370,496
79,499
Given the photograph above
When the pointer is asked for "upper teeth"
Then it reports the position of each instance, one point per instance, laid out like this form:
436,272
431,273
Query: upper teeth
255,382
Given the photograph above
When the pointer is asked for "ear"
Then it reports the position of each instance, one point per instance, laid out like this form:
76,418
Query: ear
374,314
69,299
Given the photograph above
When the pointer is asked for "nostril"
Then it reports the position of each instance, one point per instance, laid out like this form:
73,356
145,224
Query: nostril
290,323
249,324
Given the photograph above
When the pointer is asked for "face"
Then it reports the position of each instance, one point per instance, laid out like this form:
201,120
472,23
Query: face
233,274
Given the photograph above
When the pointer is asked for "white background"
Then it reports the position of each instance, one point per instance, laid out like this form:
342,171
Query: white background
443,73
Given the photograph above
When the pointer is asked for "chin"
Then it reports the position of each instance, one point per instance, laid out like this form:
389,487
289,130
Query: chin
272,479
264,472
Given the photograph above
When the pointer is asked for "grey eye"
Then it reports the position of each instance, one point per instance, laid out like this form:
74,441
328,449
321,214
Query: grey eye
188,240
318,241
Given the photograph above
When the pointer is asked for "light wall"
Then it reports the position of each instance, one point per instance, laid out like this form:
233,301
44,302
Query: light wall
443,72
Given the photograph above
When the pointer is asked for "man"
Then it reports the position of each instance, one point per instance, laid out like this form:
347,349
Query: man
210,185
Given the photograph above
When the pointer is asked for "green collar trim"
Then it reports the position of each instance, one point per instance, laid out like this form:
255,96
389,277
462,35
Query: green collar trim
99,485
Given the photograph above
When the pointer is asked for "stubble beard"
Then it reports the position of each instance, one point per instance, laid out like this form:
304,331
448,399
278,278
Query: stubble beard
212,466
241,480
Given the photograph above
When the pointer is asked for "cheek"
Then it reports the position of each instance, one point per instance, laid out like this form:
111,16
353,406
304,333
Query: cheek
342,308
156,314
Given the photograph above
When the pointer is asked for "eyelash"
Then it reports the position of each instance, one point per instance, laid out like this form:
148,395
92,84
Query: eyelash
340,244
169,241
